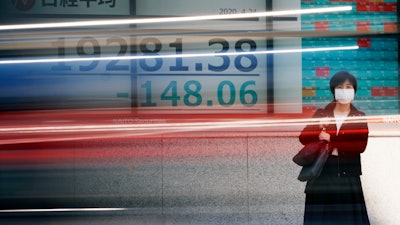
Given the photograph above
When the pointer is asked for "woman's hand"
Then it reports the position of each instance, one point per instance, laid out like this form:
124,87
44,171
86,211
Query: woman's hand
324,136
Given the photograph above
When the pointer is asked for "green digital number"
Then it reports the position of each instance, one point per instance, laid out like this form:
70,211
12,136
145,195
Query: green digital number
173,97
194,93
226,93
248,92
232,93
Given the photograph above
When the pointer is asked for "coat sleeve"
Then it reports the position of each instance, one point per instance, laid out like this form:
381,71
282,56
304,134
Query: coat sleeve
311,132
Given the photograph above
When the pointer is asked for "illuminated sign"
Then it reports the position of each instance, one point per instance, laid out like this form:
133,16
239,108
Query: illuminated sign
221,83
215,83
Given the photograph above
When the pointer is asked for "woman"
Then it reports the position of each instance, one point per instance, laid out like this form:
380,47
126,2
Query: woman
336,196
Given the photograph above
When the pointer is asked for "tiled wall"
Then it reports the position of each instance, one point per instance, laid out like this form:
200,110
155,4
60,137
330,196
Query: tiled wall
205,180
227,180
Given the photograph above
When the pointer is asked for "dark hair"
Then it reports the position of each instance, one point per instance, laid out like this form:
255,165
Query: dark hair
339,78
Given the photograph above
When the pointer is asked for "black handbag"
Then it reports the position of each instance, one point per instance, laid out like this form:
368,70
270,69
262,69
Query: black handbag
320,152
309,153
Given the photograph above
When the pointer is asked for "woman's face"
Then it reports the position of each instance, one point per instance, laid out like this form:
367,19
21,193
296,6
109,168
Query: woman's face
344,93
345,85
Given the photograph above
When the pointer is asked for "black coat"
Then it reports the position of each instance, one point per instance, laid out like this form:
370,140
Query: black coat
336,196
350,141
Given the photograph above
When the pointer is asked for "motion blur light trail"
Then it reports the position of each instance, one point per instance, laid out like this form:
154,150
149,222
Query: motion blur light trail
12,134
172,19
62,210
276,51
54,137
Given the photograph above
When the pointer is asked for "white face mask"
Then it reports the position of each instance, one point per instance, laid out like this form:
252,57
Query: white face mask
344,96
